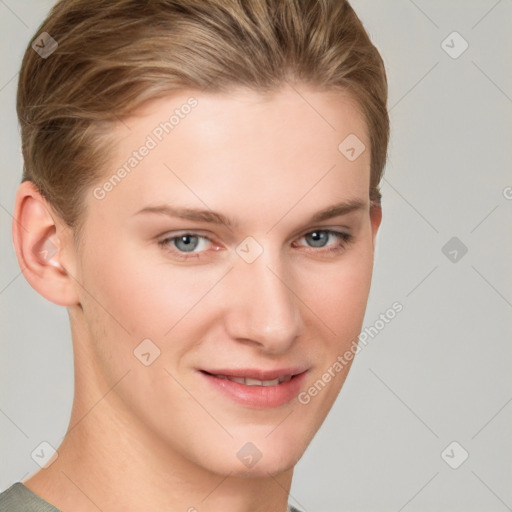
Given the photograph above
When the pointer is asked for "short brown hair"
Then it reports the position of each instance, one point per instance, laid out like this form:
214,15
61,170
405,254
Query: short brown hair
113,55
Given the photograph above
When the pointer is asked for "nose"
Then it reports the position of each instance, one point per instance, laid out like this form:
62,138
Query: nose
261,307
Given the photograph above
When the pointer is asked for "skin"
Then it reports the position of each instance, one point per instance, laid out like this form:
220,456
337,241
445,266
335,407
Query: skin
159,437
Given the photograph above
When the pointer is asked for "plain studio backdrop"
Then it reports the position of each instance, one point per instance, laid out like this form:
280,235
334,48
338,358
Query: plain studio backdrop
423,421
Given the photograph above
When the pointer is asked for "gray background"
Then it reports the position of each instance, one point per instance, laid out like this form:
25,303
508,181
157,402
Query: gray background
437,373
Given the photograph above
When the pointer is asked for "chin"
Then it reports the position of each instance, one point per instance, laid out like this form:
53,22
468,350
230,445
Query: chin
267,465
257,455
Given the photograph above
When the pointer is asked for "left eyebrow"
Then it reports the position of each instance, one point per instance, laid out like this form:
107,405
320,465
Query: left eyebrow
337,210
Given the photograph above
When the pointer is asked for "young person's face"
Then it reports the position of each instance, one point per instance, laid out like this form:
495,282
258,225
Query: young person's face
272,295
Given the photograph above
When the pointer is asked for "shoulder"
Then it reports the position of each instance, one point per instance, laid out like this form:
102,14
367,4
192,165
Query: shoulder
19,498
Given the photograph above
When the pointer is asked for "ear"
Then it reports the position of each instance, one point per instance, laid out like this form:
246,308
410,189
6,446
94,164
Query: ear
375,219
40,240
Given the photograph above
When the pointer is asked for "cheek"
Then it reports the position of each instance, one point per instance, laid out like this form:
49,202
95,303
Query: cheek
119,296
141,294
338,296
339,307
337,292
145,297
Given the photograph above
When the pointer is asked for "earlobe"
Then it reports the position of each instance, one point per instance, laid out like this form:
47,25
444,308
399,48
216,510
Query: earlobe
38,241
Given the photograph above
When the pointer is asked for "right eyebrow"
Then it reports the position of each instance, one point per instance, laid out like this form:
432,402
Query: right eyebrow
190,214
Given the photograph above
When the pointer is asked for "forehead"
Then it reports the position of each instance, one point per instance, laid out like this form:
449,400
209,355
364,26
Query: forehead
228,151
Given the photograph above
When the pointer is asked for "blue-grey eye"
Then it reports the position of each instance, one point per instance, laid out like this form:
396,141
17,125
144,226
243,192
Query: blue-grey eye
319,238
188,242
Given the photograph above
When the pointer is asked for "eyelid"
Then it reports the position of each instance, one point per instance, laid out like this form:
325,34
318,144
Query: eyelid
338,229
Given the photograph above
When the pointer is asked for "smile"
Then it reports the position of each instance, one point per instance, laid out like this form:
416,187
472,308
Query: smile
248,381
257,388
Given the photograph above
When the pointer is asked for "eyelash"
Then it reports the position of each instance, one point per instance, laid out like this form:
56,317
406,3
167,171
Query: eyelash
345,239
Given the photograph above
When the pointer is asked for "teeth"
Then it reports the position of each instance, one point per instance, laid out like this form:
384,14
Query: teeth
255,382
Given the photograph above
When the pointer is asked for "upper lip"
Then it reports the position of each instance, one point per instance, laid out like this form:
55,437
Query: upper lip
256,373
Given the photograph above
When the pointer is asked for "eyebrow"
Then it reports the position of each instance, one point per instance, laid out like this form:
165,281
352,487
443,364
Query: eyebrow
210,216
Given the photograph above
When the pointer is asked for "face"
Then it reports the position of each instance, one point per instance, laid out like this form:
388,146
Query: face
231,323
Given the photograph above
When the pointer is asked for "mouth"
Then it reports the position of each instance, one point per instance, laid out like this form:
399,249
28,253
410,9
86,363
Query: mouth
251,381
257,388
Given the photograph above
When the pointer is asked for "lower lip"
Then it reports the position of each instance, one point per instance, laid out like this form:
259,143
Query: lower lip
261,397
